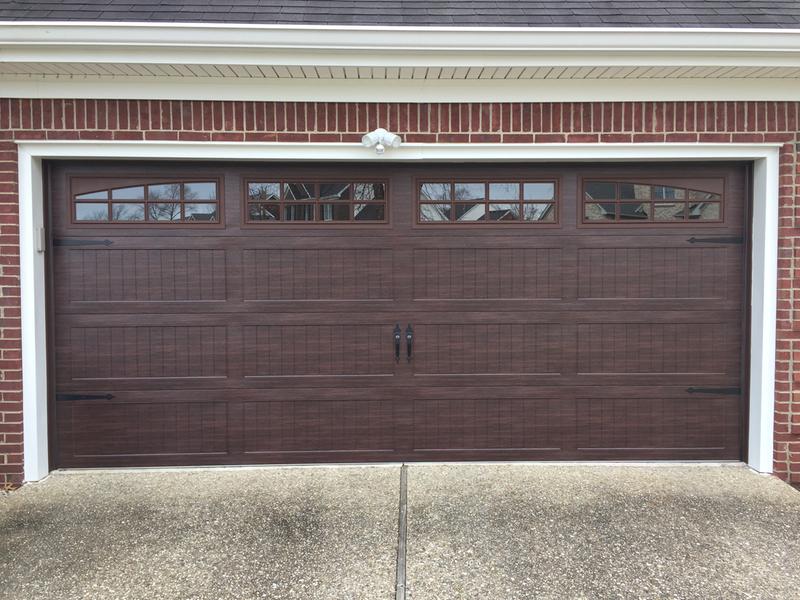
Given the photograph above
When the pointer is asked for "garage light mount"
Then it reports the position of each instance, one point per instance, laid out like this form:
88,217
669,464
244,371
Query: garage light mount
380,139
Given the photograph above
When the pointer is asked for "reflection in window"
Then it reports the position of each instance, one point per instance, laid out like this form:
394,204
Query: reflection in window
470,212
539,212
487,202
504,212
608,201
325,202
435,192
469,191
262,211
298,191
127,211
334,212
91,211
200,212
298,212
172,202
369,212
163,211
434,213
128,193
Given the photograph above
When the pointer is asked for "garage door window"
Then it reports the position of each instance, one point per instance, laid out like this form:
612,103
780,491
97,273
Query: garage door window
316,202
485,202
174,202
629,202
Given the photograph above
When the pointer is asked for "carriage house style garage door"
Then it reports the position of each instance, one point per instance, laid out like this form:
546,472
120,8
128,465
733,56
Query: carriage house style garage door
285,313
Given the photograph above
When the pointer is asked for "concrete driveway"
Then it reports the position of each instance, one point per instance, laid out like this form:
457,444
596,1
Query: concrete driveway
490,531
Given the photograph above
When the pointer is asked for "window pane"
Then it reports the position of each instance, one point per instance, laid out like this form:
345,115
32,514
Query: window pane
596,211
299,212
369,212
539,212
299,191
504,212
128,193
634,211
475,211
101,195
200,212
539,191
434,192
434,212
470,191
261,211
127,212
334,191
91,211
600,190
164,212
504,191
166,191
206,190
669,211
703,196
264,191
334,212
704,211
634,191
366,192
663,192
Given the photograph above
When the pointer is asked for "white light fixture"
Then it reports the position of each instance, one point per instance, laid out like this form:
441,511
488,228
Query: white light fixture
381,139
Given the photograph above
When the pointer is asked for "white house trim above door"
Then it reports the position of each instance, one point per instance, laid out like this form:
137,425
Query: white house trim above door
765,158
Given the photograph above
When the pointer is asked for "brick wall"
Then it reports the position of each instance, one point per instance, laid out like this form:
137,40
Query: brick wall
335,122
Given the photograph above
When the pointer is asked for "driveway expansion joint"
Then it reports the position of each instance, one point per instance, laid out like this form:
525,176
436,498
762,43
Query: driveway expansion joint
402,528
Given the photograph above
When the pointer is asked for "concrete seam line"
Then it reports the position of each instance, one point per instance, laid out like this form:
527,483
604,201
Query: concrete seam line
402,522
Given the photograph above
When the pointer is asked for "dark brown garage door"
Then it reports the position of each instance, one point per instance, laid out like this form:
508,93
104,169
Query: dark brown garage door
284,313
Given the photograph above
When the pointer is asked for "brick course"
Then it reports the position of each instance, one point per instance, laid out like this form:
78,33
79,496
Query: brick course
610,122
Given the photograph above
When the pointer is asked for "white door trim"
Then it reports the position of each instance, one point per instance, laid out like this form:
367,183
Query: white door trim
765,158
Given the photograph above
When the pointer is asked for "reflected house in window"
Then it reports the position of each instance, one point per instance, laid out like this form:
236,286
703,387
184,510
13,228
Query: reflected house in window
609,201
487,202
325,202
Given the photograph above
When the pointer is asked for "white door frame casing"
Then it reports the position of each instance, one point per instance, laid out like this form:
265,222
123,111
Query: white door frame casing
764,260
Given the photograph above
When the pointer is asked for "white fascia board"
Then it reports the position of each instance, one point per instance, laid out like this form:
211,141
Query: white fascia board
390,46
405,90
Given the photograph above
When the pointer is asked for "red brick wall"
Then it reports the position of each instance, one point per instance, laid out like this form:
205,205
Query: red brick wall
334,122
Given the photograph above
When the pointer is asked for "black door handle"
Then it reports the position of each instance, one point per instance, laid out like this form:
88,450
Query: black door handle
409,341
396,334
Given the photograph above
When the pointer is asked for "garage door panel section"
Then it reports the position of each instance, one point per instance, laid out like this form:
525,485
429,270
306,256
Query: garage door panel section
114,430
320,426
475,426
661,272
704,426
470,273
318,275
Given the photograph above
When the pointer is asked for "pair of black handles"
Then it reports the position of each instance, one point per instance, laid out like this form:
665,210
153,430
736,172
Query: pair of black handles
398,336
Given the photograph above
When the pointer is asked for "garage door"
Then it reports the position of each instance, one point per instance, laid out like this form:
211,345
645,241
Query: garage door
286,313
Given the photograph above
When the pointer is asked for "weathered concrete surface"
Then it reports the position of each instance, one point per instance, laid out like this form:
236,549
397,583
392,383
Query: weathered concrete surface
566,532
265,533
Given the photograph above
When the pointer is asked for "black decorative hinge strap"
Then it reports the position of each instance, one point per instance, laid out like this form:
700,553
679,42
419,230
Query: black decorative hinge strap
713,390
66,397
79,242
717,240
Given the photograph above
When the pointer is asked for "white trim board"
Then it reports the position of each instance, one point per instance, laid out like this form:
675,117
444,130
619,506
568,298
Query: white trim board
764,272
403,90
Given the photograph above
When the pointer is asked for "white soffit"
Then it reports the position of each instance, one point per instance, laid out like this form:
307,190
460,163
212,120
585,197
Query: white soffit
456,64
